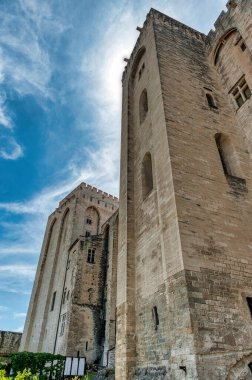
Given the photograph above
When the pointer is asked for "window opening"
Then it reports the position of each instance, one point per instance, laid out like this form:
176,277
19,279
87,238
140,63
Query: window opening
64,296
88,233
147,177
53,301
249,302
143,106
243,46
63,323
68,264
68,294
155,317
250,367
210,101
91,256
241,92
89,221
86,346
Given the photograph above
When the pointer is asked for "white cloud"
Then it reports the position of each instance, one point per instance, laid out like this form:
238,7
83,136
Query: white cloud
19,315
19,329
25,65
10,149
4,308
18,271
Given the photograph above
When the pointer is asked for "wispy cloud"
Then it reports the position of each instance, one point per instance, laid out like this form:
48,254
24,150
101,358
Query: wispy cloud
25,65
19,315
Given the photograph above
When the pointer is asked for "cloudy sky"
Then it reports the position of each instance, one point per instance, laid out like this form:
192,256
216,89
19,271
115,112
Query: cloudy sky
60,96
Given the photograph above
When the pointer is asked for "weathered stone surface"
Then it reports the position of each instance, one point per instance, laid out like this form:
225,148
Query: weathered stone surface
9,342
173,271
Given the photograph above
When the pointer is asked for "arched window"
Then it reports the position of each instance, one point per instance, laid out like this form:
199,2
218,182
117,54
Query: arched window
91,221
210,101
228,156
143,106
147,178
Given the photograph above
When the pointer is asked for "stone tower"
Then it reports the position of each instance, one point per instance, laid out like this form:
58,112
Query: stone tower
67,311
184,301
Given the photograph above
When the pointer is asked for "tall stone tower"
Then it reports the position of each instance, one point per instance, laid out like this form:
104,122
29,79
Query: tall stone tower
67,312
184,301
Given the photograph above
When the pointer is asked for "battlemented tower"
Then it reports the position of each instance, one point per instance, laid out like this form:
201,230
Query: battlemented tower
67,312
165,284
184,301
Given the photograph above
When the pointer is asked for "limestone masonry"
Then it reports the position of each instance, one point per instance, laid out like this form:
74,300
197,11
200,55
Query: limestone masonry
162,287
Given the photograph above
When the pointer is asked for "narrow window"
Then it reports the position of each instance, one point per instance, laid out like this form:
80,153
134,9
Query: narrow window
64,296
250,367
147,178
88,233
68,294
143,106
155,317
89,221
86,346
249,302
91,256
68,264
221,148
243,46
53,301
210,101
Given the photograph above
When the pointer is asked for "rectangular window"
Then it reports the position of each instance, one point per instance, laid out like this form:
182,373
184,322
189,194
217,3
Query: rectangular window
53,301
155,317
88,233
89,221
241,92
91,256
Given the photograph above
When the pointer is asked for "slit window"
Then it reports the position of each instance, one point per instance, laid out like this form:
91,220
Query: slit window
210,101
155,317
241,92
147,177
53,301
86,346
91,256
243,46
143,106
249,302
64,296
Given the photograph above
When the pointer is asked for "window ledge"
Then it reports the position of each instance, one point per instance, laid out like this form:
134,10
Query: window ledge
238,185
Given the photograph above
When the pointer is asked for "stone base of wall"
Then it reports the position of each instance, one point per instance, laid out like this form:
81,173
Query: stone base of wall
151,373
105,374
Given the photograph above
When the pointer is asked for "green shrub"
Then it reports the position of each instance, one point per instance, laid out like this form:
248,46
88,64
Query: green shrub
41,364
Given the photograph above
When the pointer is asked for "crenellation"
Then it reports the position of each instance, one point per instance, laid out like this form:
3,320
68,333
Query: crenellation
161,288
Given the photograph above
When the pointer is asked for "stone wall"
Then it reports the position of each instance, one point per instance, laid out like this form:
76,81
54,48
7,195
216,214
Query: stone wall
9,342
80,215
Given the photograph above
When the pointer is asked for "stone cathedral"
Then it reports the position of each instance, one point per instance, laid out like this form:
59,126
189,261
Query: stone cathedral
162,286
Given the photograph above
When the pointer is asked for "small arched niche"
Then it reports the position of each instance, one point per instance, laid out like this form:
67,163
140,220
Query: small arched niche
147,177
143,106
229,158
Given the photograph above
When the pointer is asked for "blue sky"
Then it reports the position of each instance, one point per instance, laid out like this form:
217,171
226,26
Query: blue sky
61,63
